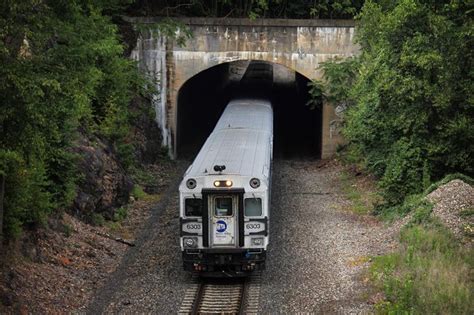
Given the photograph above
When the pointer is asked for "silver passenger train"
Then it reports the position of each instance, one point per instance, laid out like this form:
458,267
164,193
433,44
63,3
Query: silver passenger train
225,193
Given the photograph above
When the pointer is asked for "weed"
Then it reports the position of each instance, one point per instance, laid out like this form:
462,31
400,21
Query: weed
121,214
114,226
362,202
142,177
137,192
467,213
97,219
468,230
67,230
416,203
428,275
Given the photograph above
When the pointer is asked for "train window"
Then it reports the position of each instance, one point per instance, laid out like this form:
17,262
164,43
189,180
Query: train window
253,207
223,207
193,207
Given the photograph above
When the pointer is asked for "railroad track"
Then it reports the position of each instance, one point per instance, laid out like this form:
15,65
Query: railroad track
222,296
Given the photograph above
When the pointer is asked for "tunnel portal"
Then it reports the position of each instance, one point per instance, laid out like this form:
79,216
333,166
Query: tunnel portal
203,98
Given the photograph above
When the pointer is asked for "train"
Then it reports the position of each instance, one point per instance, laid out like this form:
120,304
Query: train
225,194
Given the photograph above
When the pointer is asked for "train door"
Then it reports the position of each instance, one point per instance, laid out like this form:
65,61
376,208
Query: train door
223,220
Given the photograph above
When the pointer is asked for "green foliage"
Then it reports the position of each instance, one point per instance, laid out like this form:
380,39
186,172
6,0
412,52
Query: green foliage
447,179
468,213
340,75
121,214
253,9
317,96
170,28
428,275
67,230
409,95
143,177
137,192
96,219
362,202
62,68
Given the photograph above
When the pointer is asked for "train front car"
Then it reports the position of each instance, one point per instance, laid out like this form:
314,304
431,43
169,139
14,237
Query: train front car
225,194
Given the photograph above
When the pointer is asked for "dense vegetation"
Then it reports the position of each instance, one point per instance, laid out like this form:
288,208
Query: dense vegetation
300,9
410,105
62,70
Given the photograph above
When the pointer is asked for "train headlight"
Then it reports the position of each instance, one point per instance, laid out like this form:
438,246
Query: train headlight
190,242
255,183
191,183
223,183
257,241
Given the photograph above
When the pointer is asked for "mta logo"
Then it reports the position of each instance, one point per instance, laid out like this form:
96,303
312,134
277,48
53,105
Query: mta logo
221,226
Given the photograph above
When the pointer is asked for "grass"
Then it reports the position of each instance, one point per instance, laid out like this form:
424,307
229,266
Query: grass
67,229
121,214
137,192
413,203
467,213
431,273
362,201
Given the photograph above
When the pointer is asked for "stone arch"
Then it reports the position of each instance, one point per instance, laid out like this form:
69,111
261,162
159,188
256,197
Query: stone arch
300,45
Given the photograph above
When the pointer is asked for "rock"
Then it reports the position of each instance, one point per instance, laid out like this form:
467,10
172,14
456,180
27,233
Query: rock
146,133
105,186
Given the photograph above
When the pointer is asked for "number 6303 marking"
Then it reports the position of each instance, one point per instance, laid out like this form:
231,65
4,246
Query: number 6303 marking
252,226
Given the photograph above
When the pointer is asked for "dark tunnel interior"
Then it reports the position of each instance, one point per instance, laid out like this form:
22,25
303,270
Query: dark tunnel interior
203,98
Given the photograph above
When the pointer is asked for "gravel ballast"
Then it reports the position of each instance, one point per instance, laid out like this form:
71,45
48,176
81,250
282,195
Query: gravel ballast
150,278
319,249
449,201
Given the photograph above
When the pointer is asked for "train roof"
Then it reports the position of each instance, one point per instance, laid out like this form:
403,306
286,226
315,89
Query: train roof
241,140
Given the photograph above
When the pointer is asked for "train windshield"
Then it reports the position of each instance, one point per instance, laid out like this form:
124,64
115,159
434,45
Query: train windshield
223,207
253,207
193,207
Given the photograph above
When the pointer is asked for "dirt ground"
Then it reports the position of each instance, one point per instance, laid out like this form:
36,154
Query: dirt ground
58,269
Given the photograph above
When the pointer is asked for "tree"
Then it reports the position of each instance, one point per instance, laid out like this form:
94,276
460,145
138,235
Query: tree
413,112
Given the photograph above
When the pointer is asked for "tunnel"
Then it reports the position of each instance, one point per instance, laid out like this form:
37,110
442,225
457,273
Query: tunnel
203,98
